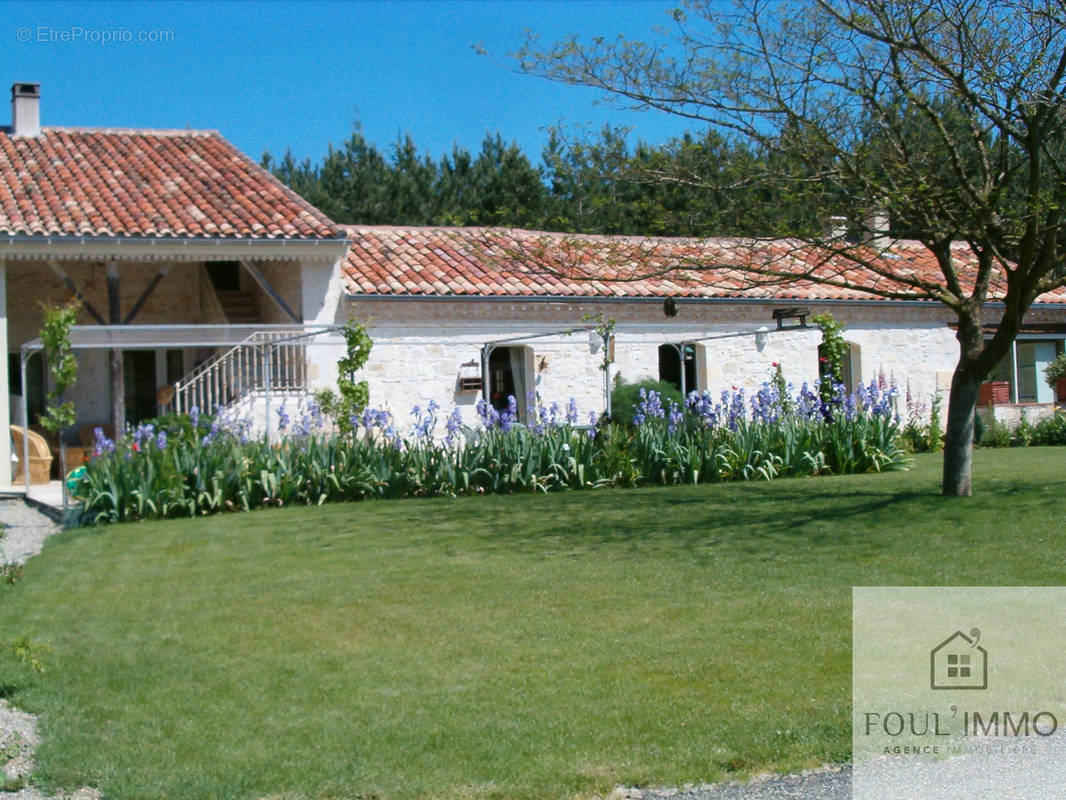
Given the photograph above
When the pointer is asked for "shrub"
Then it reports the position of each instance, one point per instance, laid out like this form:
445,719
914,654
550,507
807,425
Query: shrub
996,434
1023,433
1055,370
1051,430
625,397
921,432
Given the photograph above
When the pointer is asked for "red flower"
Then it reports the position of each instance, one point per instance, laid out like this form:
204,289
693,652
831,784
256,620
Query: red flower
136,448
774,364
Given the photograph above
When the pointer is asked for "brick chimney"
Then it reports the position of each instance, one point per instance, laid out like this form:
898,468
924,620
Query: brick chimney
25,109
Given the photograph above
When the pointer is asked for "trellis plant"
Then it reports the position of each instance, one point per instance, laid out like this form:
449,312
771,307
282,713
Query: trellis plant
352,395
831,353
55,336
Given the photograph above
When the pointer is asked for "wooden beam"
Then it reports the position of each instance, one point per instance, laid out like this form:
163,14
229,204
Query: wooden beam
74,290
260,278
146,293
118,383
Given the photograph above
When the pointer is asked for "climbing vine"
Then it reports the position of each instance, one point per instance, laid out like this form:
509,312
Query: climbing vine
352,396
831,353
55,336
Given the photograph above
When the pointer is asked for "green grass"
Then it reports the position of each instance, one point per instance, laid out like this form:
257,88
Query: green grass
523,646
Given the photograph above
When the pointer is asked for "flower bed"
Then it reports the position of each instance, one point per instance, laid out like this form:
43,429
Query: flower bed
190,466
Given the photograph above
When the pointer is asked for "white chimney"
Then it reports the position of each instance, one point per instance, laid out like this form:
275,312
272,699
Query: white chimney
836,229
25,109
876,229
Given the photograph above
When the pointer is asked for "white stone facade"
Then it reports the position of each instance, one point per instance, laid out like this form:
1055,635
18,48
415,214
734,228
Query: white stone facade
420,346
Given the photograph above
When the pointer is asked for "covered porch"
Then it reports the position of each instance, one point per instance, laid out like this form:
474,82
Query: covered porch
253,370
161,327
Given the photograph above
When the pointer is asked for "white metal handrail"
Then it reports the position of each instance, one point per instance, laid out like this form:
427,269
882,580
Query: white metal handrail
267,361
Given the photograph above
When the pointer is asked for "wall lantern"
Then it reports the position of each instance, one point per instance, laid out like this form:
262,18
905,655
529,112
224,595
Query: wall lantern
469,377
791,313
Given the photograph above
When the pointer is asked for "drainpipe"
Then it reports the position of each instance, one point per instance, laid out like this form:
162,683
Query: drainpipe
486,354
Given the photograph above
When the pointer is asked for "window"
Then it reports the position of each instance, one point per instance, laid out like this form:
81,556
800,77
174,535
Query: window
958,666
670,366
1023,368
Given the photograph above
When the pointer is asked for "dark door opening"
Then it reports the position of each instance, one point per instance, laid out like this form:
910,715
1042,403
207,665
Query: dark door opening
138,368
501,378
35,379
225,275
670,366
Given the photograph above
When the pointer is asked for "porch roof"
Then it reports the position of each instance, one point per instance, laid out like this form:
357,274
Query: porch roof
81,182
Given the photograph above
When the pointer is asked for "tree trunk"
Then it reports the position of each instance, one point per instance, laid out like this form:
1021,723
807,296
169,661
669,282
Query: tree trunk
958,439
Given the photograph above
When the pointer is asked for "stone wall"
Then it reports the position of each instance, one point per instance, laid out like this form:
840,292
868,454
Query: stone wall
420,345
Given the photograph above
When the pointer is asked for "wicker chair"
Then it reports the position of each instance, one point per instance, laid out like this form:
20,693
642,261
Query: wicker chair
40,456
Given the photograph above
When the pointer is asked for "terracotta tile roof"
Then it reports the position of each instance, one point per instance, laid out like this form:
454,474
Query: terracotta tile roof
89,182
462,262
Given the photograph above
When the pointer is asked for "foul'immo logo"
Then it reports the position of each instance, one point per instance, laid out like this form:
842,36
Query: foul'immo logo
959,662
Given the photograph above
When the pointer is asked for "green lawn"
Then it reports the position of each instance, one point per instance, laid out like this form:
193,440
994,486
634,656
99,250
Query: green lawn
510,647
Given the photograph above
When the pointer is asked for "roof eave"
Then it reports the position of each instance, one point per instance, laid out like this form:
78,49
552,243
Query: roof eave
576,298
152,248
354,297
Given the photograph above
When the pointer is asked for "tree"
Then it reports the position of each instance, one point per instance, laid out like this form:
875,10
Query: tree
945,115
508,189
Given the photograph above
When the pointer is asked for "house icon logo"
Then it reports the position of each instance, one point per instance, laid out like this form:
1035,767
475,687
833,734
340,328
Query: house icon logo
959,662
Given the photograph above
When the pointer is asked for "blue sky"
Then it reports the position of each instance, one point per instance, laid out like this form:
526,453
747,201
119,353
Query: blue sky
277,75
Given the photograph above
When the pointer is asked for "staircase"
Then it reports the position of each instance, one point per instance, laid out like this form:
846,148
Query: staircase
239,307
265,363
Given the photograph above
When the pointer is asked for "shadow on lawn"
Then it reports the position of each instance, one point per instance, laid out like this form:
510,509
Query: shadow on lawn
695,517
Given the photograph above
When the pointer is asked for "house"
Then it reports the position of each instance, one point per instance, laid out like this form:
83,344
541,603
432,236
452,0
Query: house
958,662
205,281
172,235
433,298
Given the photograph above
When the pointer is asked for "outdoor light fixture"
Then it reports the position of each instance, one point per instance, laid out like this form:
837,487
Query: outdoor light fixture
670,307
791,312
469,377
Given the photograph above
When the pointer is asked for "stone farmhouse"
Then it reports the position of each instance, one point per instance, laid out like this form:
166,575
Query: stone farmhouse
205,281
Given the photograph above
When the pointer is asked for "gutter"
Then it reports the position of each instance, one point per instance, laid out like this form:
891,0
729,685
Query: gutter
708,301
168,246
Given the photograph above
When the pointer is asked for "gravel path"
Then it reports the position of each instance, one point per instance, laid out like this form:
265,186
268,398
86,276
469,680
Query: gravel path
828,783
22,538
